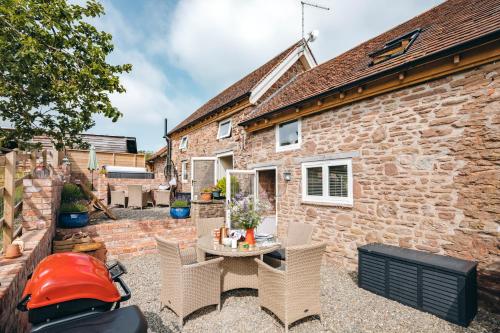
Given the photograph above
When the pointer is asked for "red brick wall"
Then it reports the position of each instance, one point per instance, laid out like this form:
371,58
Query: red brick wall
41,201
126,238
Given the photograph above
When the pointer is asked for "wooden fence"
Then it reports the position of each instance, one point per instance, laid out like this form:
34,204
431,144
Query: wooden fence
79,159
17,167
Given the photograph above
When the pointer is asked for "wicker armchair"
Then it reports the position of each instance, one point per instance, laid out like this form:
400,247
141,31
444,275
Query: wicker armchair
118,198
204,227
162,198
137,197
292,292
297,234
186,285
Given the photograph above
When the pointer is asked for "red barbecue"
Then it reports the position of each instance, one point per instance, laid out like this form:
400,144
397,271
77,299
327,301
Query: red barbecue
68,291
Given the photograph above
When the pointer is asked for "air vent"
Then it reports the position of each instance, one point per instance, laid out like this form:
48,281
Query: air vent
443,286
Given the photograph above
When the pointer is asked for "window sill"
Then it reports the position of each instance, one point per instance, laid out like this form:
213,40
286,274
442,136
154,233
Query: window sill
287,148
326,204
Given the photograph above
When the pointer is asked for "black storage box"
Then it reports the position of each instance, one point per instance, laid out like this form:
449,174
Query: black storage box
441,285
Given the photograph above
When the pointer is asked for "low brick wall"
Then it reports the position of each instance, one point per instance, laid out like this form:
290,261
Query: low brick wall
41,200
120,184
127,238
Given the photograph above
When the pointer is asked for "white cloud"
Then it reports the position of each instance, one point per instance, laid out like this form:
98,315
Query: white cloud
150,97
219,41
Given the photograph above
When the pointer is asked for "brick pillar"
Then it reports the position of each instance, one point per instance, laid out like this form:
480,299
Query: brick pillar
41,202
102,188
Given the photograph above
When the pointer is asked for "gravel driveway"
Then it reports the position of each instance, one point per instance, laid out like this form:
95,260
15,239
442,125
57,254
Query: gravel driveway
346,308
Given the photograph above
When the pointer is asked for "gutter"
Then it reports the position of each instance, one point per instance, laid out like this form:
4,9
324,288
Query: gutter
428,58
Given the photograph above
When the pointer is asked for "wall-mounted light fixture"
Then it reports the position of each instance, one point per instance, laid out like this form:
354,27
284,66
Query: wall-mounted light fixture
287,175
66,161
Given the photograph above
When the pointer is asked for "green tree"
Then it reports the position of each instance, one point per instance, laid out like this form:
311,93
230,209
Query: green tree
53,72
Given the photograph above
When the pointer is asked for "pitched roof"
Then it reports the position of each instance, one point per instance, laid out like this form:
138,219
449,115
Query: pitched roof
158,153
238,90
443,27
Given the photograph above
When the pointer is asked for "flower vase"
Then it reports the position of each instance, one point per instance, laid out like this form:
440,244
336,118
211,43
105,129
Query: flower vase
250,237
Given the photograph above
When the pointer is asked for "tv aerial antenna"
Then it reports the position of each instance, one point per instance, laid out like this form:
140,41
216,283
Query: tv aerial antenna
303,4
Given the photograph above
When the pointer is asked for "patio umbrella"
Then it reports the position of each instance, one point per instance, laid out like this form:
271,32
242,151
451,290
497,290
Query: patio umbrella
92,165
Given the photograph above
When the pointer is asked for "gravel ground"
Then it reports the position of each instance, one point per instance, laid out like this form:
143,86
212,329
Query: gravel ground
147,213
346,308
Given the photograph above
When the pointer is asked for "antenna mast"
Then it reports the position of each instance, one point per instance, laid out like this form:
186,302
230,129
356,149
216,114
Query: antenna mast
303,4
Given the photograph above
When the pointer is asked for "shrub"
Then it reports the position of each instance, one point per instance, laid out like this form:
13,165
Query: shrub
68,207
221,185
180,204
71,193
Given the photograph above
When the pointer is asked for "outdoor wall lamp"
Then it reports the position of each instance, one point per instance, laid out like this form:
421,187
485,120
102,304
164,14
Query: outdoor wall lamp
66,161
287,175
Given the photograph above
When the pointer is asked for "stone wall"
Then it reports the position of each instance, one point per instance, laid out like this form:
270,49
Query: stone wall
41,202
121,184
207,209
124,239
425,169
203,142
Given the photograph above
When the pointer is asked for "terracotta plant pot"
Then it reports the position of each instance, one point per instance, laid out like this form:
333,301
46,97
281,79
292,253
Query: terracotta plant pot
13,251
205,196
250,237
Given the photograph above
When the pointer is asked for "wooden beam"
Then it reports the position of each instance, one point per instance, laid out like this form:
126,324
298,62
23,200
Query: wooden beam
44,157
217,117
474,57
8,199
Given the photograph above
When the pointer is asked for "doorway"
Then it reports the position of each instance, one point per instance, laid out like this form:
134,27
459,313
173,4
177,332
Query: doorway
267,193
225,162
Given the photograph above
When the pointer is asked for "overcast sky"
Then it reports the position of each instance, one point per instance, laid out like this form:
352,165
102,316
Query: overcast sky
185,52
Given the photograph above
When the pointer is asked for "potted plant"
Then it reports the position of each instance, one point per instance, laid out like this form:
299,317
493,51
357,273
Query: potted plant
206,194
216,191
221,185
246,214
73,212
180,209
73,215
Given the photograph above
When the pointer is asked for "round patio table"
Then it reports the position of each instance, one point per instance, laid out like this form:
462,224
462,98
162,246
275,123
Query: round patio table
239,269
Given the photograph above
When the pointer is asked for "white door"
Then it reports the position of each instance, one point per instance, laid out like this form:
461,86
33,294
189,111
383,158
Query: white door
203,174
240,184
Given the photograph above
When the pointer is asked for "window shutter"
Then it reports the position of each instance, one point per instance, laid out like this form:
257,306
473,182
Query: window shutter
315,181
337,181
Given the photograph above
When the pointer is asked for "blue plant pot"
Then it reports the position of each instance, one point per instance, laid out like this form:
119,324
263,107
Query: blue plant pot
216,194
73,220
180,212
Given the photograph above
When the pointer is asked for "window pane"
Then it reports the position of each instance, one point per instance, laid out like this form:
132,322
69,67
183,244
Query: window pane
289,133
337,180
224,129
315,181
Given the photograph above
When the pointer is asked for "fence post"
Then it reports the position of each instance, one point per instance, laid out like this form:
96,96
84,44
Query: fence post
114,159
8,199
135,160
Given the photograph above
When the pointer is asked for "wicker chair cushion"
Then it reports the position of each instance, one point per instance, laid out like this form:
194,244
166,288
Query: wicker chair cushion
278,254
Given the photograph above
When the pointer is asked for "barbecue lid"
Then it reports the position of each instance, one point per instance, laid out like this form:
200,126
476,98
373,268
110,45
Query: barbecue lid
68,276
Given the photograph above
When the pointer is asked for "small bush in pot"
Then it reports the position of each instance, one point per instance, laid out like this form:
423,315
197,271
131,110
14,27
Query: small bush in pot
216,192
71,193
180,209
73,215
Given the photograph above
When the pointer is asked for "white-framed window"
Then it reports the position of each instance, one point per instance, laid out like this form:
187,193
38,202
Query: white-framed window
224,129
184,143
288,135
327,182
184,171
